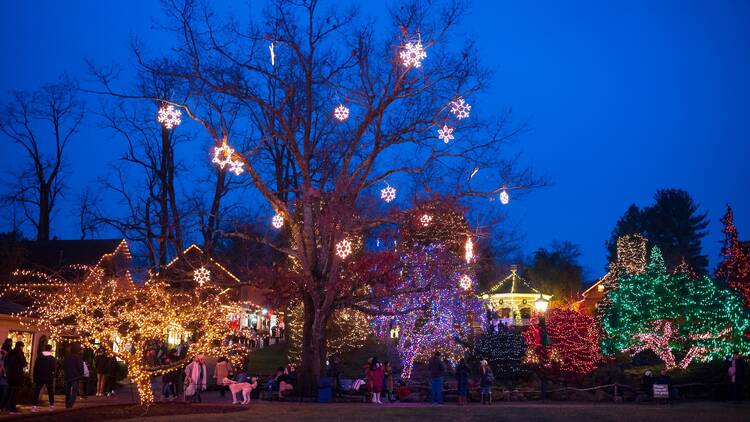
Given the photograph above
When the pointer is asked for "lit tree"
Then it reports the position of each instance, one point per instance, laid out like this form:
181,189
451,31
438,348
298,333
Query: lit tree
503,349
573,344
735,267
127,318
702,319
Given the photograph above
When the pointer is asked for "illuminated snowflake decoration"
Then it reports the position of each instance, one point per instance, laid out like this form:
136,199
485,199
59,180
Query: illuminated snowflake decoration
388,194
277,221
412,54
202,276
445,133
223,155
235,166
504,197
460,108
426,219
344,249
465,282
169,116
341,113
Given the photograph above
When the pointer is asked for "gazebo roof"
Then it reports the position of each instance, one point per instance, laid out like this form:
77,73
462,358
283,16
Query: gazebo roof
512,284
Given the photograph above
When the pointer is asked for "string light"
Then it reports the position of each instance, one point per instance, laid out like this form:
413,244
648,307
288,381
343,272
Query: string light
412,54
504,197
341,112
460,108
202,276
468,250
344,248
425,219
277,221
235,166
346,330
273,54
465,282
223,155
445,133
735,267
169,116
388,194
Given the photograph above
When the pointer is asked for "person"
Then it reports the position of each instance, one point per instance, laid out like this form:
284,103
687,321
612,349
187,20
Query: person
462,379
223,370
486,378
72,373
169,382
111,378
664,379
44,374
375,379
84,391
388,380
334,373
287,380
402,392
737,372
195,379
101,362
6,348
273,384
15,361
437,371
647,383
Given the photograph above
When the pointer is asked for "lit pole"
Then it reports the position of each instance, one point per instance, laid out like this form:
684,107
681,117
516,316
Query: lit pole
541,307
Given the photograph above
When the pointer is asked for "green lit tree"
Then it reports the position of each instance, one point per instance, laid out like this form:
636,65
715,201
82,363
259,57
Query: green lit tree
504,350
673,312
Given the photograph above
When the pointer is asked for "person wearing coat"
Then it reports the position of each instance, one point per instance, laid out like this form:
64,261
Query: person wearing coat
101,362
44,374
375,380
737,371
388,380
73,373
462,380
15,361
486,378
195,379
437,371
6,348
222,371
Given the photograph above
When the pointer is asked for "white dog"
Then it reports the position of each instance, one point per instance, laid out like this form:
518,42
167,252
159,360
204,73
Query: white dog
245,387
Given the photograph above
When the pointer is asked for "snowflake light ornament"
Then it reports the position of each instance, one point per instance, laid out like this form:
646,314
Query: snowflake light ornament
426,219
465,282
341,112
388,194
445,133
235,166
344,248
277,221
202,276
460,108
504,197
169,116
223,155
412,54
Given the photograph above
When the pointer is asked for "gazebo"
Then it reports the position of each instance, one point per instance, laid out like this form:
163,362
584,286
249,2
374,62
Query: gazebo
512,299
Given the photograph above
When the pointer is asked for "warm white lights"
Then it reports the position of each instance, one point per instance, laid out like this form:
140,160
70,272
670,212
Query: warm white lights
388,194
468,250
344,248
426,219
223,155
235,166
465,282
201,276
504,197
277,221
412,54
169,116
341,112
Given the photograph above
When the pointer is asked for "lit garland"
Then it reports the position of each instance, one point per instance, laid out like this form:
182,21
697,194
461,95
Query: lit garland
341,112
460,108
169,116
127,319
388,194
344,248
445,133
277,221
504,197
202,276
503,349
573,343
468,250
412,54
735,267
645,308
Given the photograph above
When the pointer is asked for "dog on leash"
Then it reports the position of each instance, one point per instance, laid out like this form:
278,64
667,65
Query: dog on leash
245,387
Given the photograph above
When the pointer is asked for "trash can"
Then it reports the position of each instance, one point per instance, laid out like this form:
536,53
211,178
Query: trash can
325,390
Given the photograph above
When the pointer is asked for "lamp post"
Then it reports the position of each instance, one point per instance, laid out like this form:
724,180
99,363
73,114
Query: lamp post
541,305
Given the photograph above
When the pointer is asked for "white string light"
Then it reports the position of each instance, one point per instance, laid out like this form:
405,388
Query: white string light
169,116
504,197
460,108
277,221
341,113
468,250
223,155
465,282
235,166
445,133
388,194
344,248
273,54
202,276
412,54
426,219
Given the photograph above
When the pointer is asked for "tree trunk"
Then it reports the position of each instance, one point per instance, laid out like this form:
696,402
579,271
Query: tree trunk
42,232
313,346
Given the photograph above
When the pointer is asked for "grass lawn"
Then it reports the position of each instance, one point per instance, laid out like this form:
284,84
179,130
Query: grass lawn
699,411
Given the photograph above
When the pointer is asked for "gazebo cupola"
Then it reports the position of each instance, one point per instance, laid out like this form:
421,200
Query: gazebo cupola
512,299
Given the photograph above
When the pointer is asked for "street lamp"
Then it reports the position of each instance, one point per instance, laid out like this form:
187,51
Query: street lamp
541,307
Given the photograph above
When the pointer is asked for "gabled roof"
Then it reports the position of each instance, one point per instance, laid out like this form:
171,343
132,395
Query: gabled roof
55,254
512,284
181,268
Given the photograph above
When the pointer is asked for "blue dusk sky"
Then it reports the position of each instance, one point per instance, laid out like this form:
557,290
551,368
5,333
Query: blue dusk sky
621,98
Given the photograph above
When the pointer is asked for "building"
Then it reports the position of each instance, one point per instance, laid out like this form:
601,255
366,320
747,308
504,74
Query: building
511,299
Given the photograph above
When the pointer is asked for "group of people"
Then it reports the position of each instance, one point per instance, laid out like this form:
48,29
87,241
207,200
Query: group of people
438,368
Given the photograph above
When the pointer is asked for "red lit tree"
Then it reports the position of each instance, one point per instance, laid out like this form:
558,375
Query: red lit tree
573,344
735,268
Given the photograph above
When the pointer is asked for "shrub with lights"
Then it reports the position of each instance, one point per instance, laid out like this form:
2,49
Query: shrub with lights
504,350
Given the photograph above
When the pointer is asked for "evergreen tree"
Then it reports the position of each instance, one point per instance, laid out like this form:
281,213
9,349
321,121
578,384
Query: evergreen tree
735,267
556,271
630,223
504,350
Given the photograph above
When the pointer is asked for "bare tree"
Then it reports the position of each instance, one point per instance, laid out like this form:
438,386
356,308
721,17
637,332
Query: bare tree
319,173
42,123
